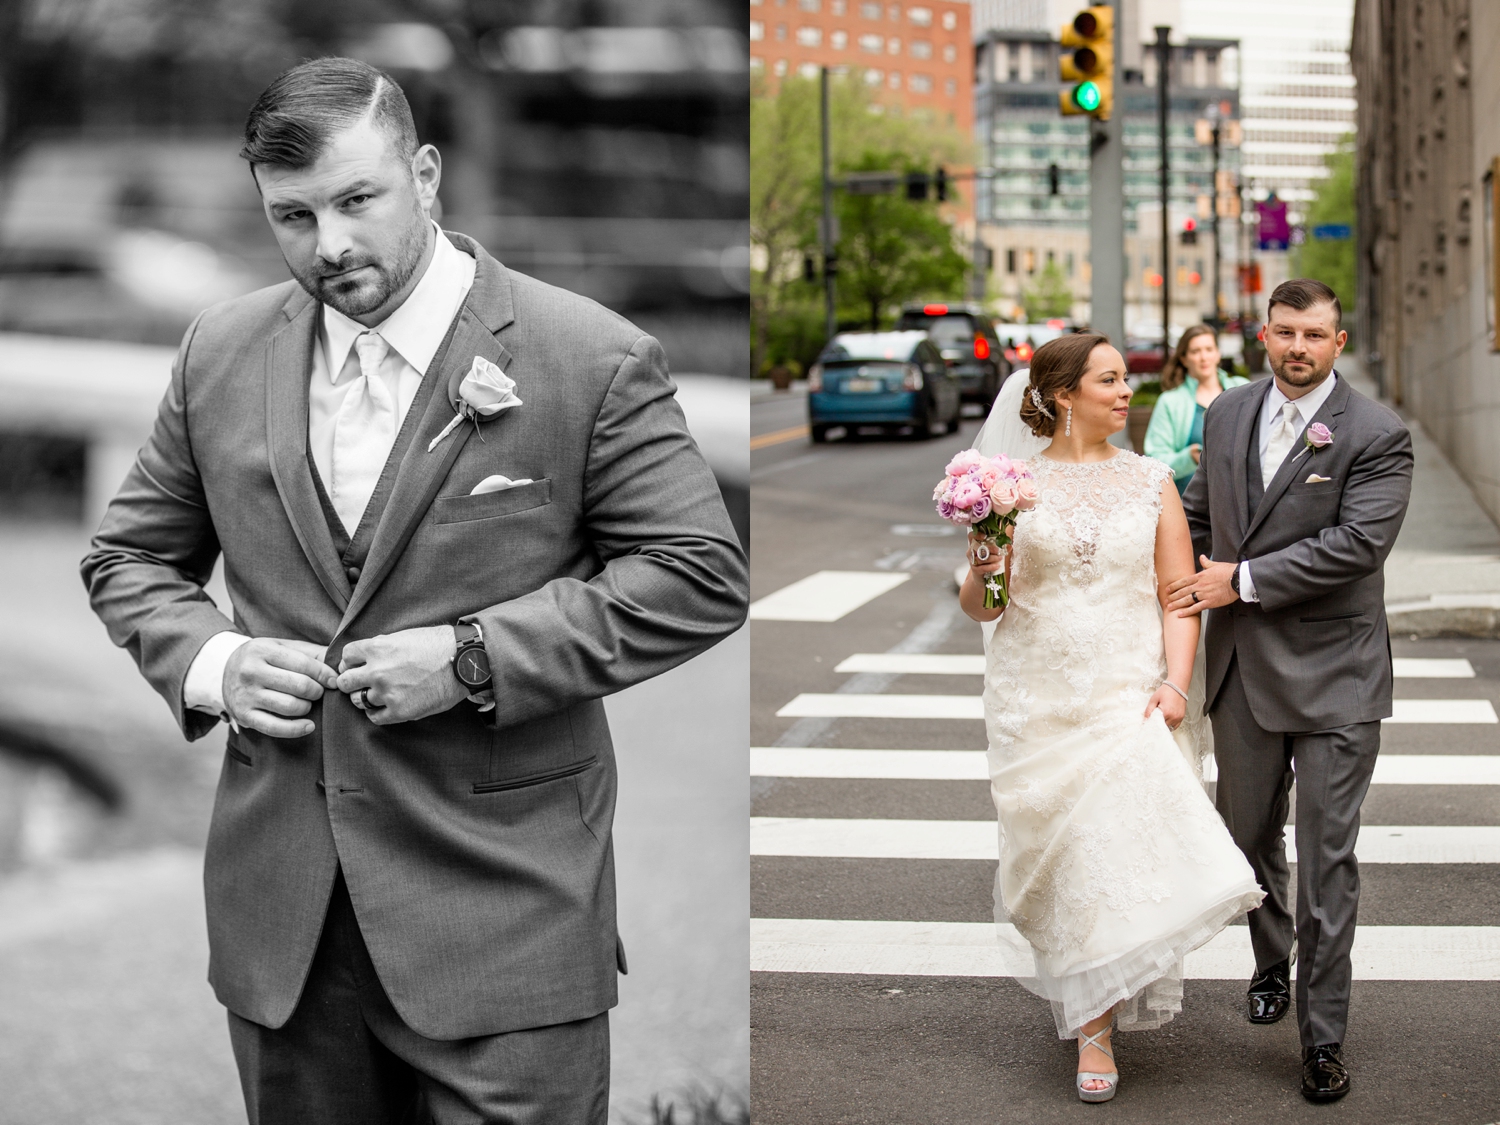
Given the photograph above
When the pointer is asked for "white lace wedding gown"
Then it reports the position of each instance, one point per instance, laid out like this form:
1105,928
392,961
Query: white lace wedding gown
1113,862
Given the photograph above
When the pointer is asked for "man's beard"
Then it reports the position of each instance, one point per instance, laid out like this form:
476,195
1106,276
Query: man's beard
358,297
1309,379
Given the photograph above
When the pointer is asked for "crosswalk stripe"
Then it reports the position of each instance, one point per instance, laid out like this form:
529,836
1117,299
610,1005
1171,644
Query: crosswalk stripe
825,596
852,705
851,838
972,765
979,949
964,664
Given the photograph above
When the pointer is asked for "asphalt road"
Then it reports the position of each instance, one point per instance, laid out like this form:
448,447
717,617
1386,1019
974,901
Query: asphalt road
840,1036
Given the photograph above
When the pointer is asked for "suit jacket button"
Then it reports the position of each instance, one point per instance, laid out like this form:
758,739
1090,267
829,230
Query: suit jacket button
353,573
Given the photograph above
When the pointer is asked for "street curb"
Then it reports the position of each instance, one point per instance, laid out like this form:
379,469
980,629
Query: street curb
1464,615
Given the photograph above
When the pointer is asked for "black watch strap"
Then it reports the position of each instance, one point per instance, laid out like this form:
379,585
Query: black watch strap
1234,579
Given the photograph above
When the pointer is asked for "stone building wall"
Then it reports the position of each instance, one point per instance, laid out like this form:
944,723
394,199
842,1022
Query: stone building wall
1428,125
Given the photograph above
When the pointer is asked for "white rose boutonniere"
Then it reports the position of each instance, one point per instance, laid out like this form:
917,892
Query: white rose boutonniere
484,392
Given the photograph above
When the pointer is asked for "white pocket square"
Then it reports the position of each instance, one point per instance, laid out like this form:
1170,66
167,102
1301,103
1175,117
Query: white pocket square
1315,479
497,483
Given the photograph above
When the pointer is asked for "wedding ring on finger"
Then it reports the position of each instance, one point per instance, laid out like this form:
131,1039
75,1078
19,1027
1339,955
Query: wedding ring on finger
361,698
1195,597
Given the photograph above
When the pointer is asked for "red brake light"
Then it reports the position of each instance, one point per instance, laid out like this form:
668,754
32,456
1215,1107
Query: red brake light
1057,322
981,348
935,310
1023,351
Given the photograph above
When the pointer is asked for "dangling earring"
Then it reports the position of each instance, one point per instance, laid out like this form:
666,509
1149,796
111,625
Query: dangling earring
1068,429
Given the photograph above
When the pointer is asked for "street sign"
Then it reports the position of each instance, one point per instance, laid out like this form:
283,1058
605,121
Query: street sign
1275,231
1332,232
871,183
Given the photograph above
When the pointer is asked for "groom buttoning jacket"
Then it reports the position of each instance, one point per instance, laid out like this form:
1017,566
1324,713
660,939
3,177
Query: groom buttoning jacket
1297,503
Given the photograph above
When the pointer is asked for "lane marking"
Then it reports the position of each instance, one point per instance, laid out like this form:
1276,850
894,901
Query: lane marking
825,596
980,949
835,838
963,664
972,765
778,437
855,706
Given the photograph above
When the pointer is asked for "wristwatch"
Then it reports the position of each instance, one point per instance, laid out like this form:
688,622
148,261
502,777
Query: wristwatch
1234,580
471,664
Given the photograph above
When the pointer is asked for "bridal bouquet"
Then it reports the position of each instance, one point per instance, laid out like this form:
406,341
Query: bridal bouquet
985,495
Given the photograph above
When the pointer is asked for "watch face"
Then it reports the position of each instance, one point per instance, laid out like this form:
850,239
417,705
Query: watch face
473,666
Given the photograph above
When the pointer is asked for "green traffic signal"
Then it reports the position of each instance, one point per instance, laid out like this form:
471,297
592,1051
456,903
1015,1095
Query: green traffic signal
1086,96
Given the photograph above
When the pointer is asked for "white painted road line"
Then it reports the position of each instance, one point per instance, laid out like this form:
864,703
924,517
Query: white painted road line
1428,668
1443,711
979,949
855,706
971,765
839,838
825,596
956,664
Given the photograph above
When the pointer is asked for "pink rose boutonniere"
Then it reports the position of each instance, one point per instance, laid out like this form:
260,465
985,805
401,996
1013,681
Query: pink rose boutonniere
485,391
1317,436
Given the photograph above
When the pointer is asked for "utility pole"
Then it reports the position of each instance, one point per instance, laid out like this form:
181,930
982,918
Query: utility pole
830,256
1214,221
1163,81
1107,208
982,188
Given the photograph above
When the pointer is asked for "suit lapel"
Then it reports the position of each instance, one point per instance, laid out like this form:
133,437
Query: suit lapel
288,364
1327,414
1244,434
422,472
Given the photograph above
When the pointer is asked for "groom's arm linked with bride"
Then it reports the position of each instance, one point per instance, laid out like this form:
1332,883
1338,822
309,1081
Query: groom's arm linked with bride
1300,493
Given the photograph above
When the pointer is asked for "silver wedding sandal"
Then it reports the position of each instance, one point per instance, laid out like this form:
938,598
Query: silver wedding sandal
1113,1080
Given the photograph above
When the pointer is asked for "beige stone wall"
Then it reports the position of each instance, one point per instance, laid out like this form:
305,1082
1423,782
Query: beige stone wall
1429,124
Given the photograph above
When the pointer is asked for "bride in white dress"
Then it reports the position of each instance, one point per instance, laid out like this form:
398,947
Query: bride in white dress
1113,862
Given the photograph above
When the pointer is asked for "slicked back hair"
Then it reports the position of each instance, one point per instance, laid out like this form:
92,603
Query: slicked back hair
1302,293
296,116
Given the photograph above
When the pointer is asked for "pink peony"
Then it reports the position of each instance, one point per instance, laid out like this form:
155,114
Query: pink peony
963,462
1004,496
1026,493
965,492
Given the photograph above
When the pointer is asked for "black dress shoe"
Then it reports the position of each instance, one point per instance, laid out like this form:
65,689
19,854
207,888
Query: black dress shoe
1325,1078
1270,993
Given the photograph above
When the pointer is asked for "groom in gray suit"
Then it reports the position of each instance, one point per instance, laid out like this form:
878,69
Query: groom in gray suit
456,507
1300,492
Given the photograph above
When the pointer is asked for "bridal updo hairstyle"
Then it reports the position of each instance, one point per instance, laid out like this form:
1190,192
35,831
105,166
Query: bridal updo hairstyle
1057,365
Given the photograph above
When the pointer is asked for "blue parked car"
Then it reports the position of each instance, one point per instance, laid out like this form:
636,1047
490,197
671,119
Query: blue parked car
889,379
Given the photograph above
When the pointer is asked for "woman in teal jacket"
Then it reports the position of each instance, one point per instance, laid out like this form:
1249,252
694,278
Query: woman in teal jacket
1189,385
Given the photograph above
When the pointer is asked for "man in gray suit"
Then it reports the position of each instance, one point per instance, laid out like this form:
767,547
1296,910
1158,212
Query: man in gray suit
1299,495
457,507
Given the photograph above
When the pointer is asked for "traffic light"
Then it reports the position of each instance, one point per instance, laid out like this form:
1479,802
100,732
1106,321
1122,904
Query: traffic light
1087,63
1054,179
916,186
1190,232
940,182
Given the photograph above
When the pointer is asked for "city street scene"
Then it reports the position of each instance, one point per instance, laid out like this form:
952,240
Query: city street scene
1245,144
599,147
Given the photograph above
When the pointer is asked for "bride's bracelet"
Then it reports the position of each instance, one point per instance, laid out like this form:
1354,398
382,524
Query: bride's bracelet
1174,687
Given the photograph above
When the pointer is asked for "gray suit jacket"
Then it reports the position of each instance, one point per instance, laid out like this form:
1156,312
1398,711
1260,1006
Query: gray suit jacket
1314,652
477,853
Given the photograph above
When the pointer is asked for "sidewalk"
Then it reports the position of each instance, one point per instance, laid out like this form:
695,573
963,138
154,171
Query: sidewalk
1444,574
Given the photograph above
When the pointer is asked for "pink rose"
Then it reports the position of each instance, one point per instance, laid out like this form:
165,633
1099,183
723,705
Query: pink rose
1003,495
1318,436
946,509
981,508
1026,493
987,477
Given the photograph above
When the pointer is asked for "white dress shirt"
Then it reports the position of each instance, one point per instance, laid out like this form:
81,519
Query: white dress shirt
1307,408
414,332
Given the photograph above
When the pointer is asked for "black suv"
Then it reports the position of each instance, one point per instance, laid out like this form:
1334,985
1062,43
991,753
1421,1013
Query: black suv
965,334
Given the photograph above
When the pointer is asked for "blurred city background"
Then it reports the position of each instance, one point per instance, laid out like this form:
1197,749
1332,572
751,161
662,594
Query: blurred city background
600,145
956,203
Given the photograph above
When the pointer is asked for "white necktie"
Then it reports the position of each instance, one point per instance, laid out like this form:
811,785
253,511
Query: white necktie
363,432
1283,434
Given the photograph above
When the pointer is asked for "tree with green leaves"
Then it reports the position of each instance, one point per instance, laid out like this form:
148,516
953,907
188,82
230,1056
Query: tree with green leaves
786,202
1332,262
1049,294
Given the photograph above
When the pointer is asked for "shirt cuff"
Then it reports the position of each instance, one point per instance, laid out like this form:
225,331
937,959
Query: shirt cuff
1247,587
203,686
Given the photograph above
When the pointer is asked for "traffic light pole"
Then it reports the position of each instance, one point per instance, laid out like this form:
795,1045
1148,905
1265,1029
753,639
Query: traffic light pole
830,258
1107,213
1163,81
1214,223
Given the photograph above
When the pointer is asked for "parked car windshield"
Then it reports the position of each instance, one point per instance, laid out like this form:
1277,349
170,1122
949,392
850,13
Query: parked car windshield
854,346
